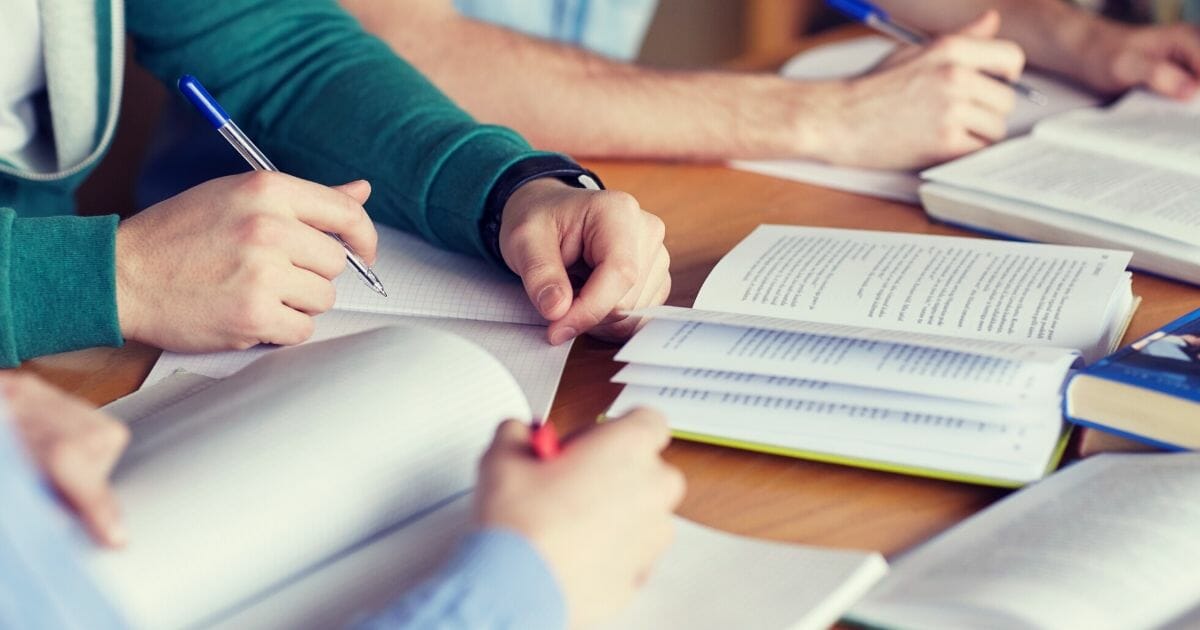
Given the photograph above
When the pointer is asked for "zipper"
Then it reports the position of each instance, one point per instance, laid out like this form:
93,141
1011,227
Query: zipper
116,83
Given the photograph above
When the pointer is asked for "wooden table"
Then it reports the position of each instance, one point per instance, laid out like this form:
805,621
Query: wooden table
707,210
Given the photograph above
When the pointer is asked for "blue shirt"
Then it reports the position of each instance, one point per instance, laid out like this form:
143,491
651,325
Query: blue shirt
614,28
495,580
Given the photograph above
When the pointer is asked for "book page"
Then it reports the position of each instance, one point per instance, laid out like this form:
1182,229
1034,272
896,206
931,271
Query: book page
424,280
706,580
1142,126
962,287
726,382
861,54
275,469
1109,187
932,372
534,363
1108,543
1015,453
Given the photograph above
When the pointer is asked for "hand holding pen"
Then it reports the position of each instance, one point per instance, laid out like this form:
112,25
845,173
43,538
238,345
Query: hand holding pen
212,111
878,19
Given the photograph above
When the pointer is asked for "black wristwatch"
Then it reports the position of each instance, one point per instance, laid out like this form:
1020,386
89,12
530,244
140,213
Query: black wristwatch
518,175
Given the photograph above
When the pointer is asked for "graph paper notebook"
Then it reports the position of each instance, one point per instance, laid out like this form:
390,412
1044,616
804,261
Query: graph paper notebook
428,287
293,499
914,353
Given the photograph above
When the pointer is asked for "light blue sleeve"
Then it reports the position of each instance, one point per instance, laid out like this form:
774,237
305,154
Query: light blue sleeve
41,549
614,28
495,580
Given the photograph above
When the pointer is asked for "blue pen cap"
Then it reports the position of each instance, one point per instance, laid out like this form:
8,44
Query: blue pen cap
202,101
857,10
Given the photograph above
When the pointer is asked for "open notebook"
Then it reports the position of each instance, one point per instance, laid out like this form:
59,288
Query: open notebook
1127,176
428,287
308,498
932,355
857,56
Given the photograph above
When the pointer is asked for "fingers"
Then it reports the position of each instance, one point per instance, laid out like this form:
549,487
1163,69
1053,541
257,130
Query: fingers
307,292
653,292
986,26
639,429
535,255
284,326
314,250
1169,79
974,48
332,210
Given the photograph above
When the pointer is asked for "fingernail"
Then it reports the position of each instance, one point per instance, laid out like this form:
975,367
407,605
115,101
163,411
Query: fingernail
563,336
548,298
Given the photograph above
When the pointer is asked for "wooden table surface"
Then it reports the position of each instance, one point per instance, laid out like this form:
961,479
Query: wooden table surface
708,209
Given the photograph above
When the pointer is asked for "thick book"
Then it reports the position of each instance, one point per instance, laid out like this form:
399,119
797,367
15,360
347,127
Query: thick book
1109,543
429,287
929,355
318,484
1124,177
1149,391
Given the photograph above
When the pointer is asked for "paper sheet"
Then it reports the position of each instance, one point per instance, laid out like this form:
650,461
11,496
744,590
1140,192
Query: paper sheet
856,56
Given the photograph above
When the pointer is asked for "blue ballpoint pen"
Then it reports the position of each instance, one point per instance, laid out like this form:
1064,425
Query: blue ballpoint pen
878,19
216,116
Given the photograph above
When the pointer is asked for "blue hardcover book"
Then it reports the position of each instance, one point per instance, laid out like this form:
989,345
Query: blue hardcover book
1148,391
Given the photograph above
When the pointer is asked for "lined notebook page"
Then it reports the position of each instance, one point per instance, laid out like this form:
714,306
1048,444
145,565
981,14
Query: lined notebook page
535,364
430,282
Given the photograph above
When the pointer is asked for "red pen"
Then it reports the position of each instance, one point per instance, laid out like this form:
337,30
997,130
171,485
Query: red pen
544,439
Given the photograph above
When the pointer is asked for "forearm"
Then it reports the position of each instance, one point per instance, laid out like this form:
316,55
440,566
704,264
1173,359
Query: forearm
1053,34
569,100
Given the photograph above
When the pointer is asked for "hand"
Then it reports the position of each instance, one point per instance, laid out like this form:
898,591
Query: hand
927,104
1165,59
75,446
548,226
599,514
237,261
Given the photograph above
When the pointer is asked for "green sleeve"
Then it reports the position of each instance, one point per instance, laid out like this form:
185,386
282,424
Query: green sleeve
330,103
57,285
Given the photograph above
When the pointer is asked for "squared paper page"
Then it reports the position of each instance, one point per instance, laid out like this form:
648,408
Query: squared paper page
535,364
706,579
275,469
1161,201
962,287
1015,453
871,364
423,280
857,56
727,382
1108,543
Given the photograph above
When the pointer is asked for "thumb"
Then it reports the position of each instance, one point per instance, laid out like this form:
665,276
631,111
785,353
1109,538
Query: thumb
359,190
1168,79
986,26
536,257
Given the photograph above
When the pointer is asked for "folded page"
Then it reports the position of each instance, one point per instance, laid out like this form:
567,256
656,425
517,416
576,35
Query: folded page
1107,543
276,469
856,434
726,382
535,364
961,287
862,363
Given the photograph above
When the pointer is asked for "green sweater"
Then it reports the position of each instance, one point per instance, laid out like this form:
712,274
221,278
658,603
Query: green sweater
325,100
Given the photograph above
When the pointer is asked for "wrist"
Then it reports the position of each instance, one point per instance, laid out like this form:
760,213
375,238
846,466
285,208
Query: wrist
783,118
127,272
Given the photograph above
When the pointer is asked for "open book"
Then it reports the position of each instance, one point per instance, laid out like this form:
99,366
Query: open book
1127,177
859,55
930,355
320,482
429,287
1108,543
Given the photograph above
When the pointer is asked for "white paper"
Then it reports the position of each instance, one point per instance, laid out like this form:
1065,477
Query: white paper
859,55
1108,543
870,364
1015,453
969,288
275,470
